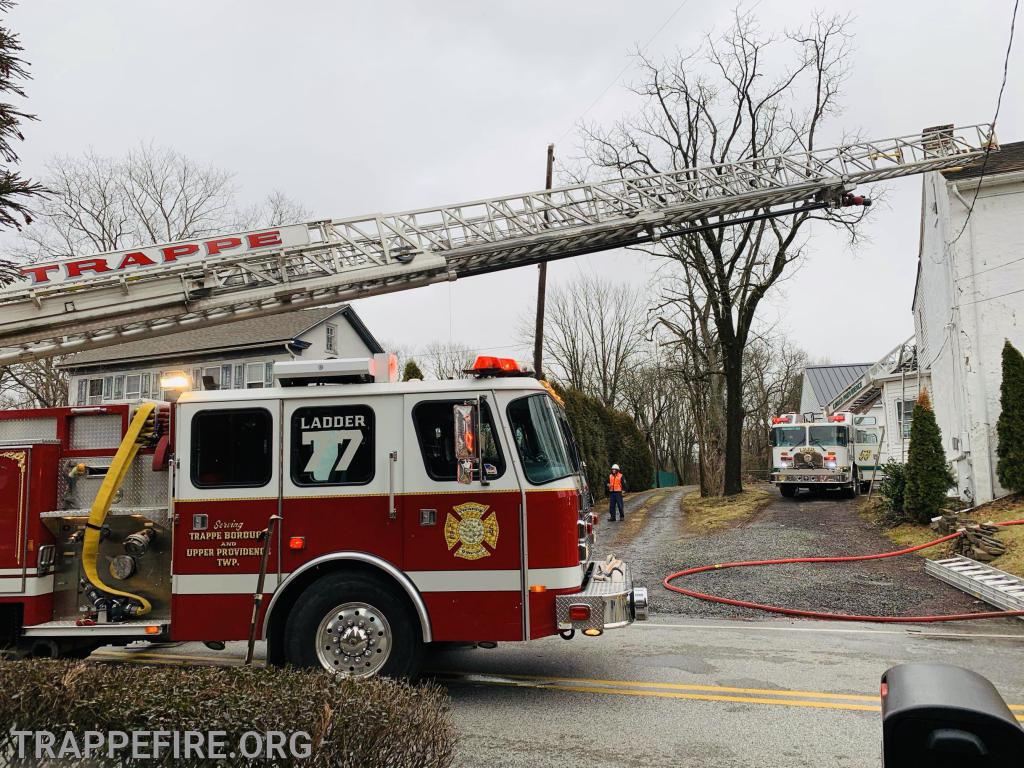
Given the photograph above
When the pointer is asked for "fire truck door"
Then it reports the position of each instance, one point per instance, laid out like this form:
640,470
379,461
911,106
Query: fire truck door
462,544
868,450
14,464
343,478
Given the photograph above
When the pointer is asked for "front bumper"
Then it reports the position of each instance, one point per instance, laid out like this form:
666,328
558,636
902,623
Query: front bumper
613,603
810,476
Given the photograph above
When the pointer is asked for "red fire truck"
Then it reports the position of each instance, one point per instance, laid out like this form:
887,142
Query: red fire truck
346,517
408,513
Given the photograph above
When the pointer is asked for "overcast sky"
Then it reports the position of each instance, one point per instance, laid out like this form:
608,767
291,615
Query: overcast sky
360,107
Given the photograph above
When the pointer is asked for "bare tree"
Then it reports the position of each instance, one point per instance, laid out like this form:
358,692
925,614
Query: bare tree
594,330
100,203
731,100
773,374
447,360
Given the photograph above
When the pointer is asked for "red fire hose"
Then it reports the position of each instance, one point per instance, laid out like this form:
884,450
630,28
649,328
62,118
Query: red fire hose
822,614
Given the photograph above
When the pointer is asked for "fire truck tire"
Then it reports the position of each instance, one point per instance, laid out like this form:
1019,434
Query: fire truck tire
356,625
787,490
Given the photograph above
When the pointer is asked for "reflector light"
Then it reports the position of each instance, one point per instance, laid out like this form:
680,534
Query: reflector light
780,420
537,588
884,691
579,612
838,417
593,632
152,629
297,542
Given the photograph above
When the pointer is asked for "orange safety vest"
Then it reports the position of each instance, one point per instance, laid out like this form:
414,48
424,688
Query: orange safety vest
615,482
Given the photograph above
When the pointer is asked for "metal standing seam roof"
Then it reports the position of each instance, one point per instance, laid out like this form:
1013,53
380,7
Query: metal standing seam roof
827,381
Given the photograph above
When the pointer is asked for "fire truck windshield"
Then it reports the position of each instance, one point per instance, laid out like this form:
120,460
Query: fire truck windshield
828,435
539,439
787,437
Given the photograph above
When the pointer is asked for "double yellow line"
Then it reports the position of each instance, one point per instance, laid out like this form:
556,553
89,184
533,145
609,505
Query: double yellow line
641,688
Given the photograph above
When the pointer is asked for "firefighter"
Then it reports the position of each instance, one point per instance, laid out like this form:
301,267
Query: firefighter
615,486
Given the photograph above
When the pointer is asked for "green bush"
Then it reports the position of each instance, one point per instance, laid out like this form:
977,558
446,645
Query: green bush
412,371
893,488
1010,427
606,436
928,475
349,722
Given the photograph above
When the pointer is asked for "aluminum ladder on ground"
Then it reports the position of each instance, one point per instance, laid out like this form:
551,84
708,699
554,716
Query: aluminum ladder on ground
151,291
995,587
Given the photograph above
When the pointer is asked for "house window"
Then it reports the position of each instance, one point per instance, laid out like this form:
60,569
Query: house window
905,415
119,387
225,376
133,386
332,338
254,373
214,374
145,385
95,391
239,376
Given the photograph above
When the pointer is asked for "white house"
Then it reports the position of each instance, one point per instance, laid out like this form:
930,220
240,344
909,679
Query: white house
229,356
968,300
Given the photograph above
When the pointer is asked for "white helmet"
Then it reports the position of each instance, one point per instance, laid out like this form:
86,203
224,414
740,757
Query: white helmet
615,466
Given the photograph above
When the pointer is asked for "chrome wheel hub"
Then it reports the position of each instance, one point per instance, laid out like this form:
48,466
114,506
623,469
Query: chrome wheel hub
354,639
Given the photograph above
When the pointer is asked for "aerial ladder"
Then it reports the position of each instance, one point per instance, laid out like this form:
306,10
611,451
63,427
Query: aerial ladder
75,304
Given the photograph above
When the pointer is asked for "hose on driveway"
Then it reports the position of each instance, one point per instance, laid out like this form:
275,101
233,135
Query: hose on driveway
822,614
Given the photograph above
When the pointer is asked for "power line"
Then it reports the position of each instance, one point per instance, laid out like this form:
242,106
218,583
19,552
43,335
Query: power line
999,102
622,71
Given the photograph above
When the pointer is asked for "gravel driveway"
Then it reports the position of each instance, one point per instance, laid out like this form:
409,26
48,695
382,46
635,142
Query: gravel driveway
654,541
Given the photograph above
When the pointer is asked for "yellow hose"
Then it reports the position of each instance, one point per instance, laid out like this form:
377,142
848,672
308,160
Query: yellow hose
140,428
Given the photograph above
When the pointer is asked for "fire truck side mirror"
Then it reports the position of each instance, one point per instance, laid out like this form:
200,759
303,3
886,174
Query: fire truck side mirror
938,715
465,440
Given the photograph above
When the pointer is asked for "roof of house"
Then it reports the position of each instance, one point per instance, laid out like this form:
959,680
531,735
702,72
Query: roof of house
1010,157
268,330
827,381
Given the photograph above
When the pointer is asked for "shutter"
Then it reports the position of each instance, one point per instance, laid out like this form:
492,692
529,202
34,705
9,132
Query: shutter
268,375
83,391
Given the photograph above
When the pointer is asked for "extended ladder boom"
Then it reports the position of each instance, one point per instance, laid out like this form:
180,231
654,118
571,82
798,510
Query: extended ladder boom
82,303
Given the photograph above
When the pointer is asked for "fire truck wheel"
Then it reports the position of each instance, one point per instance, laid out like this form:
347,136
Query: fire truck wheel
354,625
789,491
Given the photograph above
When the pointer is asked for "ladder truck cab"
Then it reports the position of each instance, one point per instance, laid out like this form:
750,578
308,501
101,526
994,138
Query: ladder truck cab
838,453
363,517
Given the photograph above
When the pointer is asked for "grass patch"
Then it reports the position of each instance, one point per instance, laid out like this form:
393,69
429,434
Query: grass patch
713,513
910,534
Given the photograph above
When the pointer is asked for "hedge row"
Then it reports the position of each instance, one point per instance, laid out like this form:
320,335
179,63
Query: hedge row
348,722
607,436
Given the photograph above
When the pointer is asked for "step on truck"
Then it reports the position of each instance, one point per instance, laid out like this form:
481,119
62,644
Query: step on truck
839,453
364,517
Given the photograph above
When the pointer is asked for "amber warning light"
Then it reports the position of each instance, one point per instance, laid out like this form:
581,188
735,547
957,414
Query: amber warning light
487,365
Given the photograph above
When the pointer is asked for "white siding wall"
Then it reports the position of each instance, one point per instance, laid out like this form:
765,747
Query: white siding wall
964,310
348,342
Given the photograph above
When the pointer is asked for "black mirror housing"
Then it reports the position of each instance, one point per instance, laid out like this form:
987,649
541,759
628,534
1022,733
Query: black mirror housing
940,715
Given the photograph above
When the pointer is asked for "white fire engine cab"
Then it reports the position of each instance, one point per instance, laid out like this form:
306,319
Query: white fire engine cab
840,453
346,518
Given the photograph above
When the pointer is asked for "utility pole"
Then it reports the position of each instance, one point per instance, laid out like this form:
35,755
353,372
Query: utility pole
542,279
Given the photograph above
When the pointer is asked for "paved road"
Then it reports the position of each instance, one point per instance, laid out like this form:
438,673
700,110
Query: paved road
707,693
689,690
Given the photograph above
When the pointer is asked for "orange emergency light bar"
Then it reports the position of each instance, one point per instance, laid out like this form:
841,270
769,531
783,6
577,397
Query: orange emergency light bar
488,365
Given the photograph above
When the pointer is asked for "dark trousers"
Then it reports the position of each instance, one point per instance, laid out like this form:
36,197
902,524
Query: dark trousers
615,502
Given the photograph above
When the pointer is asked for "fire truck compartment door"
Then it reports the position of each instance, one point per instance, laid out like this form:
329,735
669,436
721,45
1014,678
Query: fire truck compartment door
343,477
14,464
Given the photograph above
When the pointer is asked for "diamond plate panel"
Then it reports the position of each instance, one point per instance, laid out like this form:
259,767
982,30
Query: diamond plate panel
142,487
34,430
100,430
